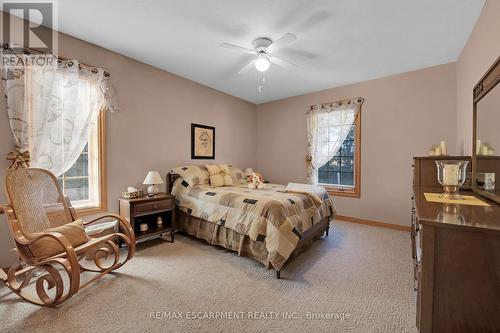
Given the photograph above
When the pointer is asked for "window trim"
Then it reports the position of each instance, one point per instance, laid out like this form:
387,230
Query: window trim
103,190
351,191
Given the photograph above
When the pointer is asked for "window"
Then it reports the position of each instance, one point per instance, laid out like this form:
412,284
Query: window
84,183
342,174
56,113
75,181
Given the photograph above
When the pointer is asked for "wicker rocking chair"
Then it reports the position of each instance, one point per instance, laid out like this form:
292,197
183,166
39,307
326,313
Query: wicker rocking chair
50,240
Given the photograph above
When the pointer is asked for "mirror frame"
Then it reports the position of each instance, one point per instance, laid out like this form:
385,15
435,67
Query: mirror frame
481,89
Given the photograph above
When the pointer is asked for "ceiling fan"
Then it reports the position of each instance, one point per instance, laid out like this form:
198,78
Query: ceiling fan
264,49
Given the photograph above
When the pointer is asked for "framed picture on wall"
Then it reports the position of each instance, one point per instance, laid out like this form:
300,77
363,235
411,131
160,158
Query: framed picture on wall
202,142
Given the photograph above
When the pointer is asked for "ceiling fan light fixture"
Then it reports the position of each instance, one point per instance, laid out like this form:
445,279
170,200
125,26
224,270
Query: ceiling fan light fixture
262,63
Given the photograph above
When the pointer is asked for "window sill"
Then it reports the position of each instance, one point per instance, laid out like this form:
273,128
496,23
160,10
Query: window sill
85,211
88,207
354,193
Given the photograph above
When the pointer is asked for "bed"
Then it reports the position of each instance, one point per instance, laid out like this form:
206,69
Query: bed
269,225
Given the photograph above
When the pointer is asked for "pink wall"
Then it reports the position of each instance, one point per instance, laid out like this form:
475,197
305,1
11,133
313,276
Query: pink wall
403,115
479,53
152,129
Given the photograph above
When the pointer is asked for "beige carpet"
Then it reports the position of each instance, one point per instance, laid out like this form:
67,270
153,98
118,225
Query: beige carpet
360,276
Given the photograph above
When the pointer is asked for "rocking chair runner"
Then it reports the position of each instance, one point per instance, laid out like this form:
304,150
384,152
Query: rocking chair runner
48,236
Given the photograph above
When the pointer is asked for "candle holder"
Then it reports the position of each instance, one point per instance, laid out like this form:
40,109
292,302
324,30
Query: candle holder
451,175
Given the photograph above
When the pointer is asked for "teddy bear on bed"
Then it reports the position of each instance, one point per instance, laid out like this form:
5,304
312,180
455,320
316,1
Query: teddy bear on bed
256,181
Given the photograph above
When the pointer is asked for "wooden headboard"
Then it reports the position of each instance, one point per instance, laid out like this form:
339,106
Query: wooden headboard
171,177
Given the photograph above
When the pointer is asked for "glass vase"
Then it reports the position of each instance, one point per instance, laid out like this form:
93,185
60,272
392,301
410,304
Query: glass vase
451,175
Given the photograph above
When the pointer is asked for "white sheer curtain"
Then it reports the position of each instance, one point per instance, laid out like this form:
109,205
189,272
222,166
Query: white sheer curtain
327,128
50,110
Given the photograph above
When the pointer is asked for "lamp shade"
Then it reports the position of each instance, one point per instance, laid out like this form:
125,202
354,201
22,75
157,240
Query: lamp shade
153,178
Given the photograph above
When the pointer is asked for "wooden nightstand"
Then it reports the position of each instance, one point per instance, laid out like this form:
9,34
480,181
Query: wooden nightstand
147,210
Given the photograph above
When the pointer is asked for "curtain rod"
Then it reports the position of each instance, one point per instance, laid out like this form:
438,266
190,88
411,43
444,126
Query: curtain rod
358,100
27,50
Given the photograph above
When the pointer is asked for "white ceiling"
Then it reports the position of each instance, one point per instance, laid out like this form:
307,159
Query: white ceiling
346,41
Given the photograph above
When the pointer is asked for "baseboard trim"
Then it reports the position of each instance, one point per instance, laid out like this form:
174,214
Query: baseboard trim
373,223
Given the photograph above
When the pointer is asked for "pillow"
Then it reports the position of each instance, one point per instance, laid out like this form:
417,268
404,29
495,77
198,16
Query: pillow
225,171
213,169
193,175
48,247
237,175
219,175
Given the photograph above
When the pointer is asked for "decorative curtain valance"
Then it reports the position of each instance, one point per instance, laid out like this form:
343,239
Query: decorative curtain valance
51,108
327,127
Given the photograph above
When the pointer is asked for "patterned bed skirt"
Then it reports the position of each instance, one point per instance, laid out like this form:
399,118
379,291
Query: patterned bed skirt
216,234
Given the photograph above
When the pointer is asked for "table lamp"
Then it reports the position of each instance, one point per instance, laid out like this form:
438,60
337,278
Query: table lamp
152,179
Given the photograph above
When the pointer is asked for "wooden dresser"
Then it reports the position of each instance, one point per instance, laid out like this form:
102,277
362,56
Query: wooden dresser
456,252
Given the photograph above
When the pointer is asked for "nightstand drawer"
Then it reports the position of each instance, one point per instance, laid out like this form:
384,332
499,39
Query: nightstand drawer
154,206
147,210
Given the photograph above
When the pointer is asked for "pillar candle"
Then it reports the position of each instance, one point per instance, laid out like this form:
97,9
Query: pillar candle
478,147
443,147
483,150
450,174
438,151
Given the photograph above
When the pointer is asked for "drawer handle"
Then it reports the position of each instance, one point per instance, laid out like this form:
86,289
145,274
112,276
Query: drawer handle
155,206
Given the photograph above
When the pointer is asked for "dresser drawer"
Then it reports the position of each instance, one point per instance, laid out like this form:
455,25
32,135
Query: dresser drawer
154,206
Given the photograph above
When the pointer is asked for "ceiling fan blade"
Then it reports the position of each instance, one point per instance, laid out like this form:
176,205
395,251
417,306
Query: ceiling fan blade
236,47
315,19
294,53
282,41
247,67
282,62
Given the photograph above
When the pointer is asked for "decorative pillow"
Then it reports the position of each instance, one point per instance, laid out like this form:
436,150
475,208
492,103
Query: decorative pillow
237,175
213,169
46,247
193,174
219,175
226,173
